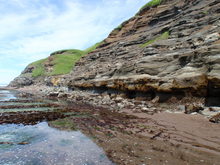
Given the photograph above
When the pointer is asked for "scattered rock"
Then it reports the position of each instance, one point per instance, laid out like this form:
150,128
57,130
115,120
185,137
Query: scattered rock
157,55
181,108
23,143
193,108
145,109
214,109
215,119
120,105
118,99
212,37
156,99
210,111
25,94
53,94
63,95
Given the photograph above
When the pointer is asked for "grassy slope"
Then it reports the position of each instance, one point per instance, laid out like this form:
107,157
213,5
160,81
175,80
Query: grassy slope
62,61
39,69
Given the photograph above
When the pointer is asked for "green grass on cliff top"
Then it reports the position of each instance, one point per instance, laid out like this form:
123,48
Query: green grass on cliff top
62,61
163,36
39,68
152,3
63,64
92,48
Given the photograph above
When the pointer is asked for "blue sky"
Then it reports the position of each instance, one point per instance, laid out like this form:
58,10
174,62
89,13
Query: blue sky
31,29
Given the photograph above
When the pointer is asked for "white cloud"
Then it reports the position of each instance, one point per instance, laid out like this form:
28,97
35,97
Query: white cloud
31,29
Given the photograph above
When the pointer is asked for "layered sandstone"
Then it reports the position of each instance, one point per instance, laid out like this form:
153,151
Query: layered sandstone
165,50
136,58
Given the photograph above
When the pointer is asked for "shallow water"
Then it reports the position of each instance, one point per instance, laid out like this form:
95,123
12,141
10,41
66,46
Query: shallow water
42,145
47,146
7,95
27,109
18,103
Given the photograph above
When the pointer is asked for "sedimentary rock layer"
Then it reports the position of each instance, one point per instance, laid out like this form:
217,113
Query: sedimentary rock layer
172,48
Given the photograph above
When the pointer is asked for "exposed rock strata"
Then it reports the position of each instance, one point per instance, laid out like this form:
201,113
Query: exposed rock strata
186,63
118,102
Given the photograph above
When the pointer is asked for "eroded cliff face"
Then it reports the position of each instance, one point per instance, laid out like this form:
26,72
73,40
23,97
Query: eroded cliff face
165,50
173,48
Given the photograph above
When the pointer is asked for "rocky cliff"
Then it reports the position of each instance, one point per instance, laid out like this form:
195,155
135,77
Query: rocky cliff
169,48
172,48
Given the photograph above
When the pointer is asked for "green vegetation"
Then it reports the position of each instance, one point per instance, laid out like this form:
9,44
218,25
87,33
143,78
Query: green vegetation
39,68
205,12
152,3
77,114
163,36
92,48
65,123
118,28
61,62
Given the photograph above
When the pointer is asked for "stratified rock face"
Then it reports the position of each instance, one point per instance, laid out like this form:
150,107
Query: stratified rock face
171,48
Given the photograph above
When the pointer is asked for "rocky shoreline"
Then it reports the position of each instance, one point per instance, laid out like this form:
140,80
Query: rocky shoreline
165,58
152,134
149,92
121,103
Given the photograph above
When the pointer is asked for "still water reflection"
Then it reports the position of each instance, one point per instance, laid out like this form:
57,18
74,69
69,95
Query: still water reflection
43,145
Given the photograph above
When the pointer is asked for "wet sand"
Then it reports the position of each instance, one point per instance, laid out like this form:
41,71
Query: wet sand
191,130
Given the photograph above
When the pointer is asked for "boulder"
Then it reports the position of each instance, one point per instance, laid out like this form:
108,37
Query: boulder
215,119
191,108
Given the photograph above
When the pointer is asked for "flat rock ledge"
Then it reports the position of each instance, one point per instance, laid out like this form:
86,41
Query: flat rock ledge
122,103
